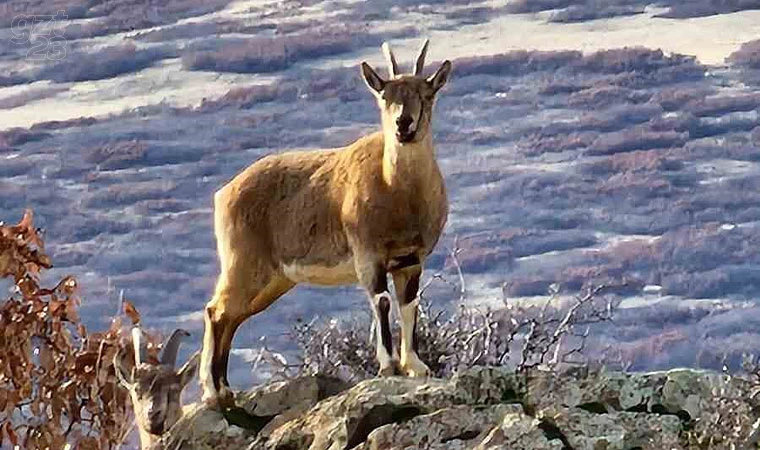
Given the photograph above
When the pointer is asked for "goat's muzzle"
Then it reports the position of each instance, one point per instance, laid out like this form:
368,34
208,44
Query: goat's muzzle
405,136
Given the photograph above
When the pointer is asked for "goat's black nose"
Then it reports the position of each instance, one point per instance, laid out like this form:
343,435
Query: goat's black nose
403,122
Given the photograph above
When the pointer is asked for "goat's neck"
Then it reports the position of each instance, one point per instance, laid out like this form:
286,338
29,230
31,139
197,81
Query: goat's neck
405,163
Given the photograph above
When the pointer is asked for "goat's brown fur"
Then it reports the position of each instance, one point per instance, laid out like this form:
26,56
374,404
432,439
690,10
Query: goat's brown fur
333,217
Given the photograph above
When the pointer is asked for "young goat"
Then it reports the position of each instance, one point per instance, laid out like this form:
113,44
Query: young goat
333,217
155,389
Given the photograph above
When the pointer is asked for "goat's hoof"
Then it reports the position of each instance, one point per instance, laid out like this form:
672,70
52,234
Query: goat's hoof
415,368
226,397
211,400
223,399
389,370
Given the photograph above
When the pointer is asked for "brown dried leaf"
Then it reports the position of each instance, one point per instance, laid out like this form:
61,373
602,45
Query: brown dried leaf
85,363
88,443
71,310
11,434
13,400
59,440
67,286
26,226
47,360
131,311
6,260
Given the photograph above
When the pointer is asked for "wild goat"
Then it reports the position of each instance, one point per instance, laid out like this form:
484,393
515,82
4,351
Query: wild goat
334,217
155,389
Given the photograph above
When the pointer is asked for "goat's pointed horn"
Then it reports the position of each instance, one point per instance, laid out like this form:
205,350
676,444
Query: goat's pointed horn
169,354
141,349
392,66
421,59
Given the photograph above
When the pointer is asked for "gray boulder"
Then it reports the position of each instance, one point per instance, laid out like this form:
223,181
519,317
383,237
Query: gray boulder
481,408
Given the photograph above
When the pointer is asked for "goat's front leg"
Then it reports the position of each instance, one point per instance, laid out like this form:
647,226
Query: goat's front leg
373,277
407,283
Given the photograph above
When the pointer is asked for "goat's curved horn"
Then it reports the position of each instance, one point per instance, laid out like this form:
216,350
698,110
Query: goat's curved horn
141,349
392,66
421,59
169,354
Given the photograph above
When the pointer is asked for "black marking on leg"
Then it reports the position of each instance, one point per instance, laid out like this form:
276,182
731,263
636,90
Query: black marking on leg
415,338
219,360
216,370
223,364
412,287
379,281
384,310
401,262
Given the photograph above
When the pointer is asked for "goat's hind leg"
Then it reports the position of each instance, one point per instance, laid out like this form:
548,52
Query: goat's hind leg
223,317
223,314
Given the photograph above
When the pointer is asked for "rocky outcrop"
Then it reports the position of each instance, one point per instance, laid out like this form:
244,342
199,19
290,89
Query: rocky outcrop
481,408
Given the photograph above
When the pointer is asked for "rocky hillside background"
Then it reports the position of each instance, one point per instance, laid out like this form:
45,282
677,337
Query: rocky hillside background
571,161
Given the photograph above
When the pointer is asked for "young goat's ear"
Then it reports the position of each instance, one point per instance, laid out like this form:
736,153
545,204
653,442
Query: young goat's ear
440,77
188,371
122,374
373,80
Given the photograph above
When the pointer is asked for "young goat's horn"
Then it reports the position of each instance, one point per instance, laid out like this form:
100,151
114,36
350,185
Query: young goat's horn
392,66
169,354
141,350
421,59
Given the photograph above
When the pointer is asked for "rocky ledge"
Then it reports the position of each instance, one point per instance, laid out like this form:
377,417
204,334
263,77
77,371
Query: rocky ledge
484,408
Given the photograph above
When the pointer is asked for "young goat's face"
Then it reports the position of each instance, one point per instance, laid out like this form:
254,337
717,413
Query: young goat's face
406,101
155,395
155,387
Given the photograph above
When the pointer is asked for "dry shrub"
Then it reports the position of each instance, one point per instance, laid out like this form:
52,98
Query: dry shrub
18,136
635,139
635,161
116,155
720,105
602,95
271,54
57,383
515,62
522,337
107,62
748,55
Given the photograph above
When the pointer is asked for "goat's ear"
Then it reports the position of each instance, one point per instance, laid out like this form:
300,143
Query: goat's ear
187,372
373,80
122,374
440,77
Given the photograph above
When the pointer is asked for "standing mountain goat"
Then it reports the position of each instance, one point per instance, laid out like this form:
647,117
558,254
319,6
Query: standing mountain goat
334,217
155,389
